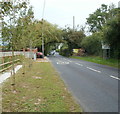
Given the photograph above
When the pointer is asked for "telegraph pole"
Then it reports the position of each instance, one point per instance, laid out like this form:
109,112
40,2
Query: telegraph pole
42,37
73,23
43,27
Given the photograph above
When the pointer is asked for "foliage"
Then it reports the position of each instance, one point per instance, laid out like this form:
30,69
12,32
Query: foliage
65,51
92,44
99,17
112,34
72,39
10,28
23,31
50,33
106,21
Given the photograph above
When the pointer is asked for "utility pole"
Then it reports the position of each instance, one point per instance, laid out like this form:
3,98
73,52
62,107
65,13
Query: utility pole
73,23
43,27
119,4
42,37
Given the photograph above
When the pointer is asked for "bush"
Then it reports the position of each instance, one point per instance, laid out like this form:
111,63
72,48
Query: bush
65,52
92,44
57,50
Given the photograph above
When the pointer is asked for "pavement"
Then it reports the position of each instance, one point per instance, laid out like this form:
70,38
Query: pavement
94,86
7,74
45,59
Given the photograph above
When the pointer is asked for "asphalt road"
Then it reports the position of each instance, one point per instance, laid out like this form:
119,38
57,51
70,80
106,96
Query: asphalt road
94,86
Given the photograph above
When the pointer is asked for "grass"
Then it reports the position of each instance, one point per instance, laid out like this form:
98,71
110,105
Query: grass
99,60
40,89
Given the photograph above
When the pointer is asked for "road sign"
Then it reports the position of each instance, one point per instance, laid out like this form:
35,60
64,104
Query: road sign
105,46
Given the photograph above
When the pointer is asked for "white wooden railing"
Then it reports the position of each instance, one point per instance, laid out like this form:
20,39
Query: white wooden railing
26,54
10,62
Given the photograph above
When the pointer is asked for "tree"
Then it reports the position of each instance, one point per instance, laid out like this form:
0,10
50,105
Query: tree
51,34
99,17
92,44
10,29
106,21
72,39
112,34
11,11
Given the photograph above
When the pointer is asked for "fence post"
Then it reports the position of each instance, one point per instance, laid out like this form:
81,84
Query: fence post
3,60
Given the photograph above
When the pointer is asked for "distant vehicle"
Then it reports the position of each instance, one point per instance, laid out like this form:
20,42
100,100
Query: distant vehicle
52,52
48,55
39,55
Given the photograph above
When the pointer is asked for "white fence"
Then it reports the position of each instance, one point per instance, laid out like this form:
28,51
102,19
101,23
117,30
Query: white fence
26,54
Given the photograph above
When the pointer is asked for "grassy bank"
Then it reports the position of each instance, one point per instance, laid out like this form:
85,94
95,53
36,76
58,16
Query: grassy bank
40,89
99,60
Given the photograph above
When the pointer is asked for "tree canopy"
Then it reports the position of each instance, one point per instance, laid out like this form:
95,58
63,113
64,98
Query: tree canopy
23,31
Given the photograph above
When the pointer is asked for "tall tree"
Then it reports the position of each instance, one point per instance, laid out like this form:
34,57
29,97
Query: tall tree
73,38
111,32
99,17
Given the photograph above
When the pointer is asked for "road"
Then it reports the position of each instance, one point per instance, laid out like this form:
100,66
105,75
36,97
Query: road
94,86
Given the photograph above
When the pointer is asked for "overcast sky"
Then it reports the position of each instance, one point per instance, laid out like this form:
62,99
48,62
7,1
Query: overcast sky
61,12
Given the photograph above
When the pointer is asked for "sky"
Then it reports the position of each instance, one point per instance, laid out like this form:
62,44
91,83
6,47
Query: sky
61,12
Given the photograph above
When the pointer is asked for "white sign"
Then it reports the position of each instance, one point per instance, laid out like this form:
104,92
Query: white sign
105,46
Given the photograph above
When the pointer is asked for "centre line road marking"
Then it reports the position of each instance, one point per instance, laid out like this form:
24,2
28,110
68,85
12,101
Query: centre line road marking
69,61
94,70
79,64
62,62
114,77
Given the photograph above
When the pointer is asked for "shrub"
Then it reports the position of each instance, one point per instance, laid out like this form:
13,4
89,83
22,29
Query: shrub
92,44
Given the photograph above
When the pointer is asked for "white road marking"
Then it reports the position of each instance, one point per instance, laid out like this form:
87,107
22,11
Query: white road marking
114,77
79,64
66,62
69,61
94,70
62,62
59,62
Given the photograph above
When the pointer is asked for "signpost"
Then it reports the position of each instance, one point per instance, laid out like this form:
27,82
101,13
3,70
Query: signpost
106,50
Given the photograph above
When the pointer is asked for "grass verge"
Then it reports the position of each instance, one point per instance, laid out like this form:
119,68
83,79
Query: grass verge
40,89
99,60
